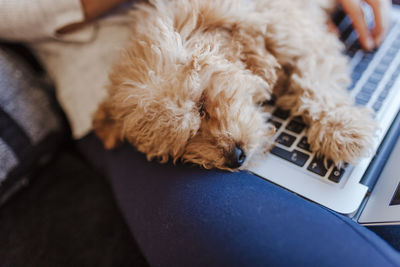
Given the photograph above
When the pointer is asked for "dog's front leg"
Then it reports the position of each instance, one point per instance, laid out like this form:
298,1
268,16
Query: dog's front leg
316,91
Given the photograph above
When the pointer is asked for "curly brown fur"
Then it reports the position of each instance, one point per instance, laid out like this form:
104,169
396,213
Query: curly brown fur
190,83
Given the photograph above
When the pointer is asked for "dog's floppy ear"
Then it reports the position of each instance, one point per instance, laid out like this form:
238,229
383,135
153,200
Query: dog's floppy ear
162,128
159,128
158,122
156,111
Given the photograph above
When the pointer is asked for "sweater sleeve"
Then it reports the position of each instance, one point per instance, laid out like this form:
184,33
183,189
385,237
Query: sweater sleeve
29,20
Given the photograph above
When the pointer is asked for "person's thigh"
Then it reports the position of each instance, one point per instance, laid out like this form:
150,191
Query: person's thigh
187,216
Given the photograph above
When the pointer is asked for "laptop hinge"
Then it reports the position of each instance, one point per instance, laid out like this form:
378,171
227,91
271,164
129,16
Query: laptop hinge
382,154
356,215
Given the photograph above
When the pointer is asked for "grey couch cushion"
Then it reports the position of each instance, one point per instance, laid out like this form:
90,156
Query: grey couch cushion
31,124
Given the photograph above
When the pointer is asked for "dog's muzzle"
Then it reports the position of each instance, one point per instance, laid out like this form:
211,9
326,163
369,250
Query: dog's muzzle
236,158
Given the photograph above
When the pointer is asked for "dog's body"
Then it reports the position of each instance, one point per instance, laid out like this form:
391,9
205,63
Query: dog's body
191,82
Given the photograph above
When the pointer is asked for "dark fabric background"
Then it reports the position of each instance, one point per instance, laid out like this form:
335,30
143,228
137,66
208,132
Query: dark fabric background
66,217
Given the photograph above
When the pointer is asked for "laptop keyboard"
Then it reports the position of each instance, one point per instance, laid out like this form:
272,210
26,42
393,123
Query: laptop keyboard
291,142
371,86
292,146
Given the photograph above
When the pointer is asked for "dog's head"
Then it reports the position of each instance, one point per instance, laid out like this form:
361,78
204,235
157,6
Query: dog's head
188,102
232,123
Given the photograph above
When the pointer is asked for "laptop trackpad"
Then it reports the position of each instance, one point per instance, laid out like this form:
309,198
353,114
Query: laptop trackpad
383,205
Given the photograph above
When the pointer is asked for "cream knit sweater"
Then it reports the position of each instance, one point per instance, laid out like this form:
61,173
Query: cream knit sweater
77,63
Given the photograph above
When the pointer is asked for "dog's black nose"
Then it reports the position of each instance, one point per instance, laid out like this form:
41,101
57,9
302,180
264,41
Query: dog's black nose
236,159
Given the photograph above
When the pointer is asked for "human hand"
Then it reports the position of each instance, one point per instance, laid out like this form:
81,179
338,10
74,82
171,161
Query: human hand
92,9
95,8
368,38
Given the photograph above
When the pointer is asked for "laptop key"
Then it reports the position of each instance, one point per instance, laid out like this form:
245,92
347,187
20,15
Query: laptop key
392,51
295,126
387,59
275,123
360,68
368,88
353,49
377,105
336,175
296,157
368,56
375,78
346,33
381,68
362,98
396,42
286,139
384,93
304,144
317,166
270,102
281,114
355,76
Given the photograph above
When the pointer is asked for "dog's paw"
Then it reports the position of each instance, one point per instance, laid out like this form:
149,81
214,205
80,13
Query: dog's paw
343,135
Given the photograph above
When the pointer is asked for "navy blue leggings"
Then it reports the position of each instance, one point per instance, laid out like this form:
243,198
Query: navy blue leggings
186,216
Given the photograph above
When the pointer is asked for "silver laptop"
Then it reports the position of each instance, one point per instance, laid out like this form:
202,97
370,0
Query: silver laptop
369,192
